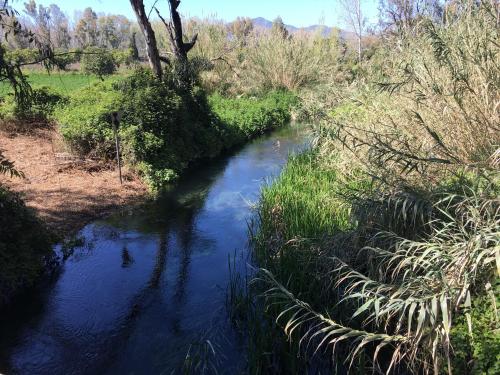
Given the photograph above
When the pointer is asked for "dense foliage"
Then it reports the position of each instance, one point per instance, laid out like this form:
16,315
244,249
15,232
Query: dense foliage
98,61
25,247
162,137
401,274
379,248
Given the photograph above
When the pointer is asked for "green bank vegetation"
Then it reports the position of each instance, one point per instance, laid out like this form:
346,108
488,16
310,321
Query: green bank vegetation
162,137
25,247
378,250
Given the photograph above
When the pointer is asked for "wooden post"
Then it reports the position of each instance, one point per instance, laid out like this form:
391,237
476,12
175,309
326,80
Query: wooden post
115,120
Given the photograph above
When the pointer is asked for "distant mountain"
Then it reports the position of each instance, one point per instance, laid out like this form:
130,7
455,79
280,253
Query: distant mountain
262,22
266,24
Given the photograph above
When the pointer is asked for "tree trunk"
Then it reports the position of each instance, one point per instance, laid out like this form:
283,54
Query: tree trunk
174,28
359,17
149,36
359,49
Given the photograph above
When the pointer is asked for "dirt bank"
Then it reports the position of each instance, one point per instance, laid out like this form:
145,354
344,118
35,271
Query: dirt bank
65,191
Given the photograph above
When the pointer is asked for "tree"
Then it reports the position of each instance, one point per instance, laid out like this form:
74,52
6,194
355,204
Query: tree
60,27
149,37
41,19
113,31
134,51
179,48
10,70
279,28
402,14
86,30
353,15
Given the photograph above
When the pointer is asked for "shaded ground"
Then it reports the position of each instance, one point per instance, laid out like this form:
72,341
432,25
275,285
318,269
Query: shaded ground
65,191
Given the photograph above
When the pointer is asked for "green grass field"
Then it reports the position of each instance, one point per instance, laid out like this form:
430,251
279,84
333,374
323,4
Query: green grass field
63,82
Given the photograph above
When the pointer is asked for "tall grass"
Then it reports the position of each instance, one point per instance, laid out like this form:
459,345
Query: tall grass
261,59
295,62
419,216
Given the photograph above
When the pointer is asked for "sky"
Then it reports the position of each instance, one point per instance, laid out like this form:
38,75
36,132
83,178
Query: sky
293,12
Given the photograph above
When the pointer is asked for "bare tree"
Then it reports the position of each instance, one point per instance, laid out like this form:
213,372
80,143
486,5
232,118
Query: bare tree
353,15
86,30
402,14
179,48
149,36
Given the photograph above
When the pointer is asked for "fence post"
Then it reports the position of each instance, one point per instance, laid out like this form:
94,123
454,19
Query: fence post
115,120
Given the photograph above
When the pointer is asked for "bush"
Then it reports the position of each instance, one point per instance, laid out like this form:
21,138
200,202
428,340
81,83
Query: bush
478,353
394,291
25,247
85,122
22,55
43,102
98,61
123,57
166,135
63,59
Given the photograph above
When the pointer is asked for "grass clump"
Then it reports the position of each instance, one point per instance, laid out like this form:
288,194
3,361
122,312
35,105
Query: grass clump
300,202
25,247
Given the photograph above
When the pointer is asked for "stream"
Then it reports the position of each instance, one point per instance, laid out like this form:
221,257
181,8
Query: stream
142,289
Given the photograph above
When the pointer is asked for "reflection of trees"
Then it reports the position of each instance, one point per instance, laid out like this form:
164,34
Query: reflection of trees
173,213
161,262
127,259
185,235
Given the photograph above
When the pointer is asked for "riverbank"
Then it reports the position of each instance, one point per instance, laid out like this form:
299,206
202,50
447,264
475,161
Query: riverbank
143,290
66,192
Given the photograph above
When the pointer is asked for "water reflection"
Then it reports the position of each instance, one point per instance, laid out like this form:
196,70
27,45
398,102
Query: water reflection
144,287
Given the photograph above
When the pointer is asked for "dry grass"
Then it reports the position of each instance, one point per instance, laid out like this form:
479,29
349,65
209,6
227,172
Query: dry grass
64,191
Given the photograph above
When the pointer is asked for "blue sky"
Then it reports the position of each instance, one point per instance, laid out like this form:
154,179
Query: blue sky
294,12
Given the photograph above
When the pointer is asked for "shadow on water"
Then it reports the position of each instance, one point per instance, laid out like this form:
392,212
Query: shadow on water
145,286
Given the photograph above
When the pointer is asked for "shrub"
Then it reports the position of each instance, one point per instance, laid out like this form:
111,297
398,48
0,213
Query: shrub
123,57
62,59
98,61
25,247
394,292
85,122
292,63
22,55
478,352
43,102
169,134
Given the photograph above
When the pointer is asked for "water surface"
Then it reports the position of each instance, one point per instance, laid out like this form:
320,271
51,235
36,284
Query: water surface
145,287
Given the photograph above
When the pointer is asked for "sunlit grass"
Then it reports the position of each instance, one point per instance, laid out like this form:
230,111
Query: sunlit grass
64,83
